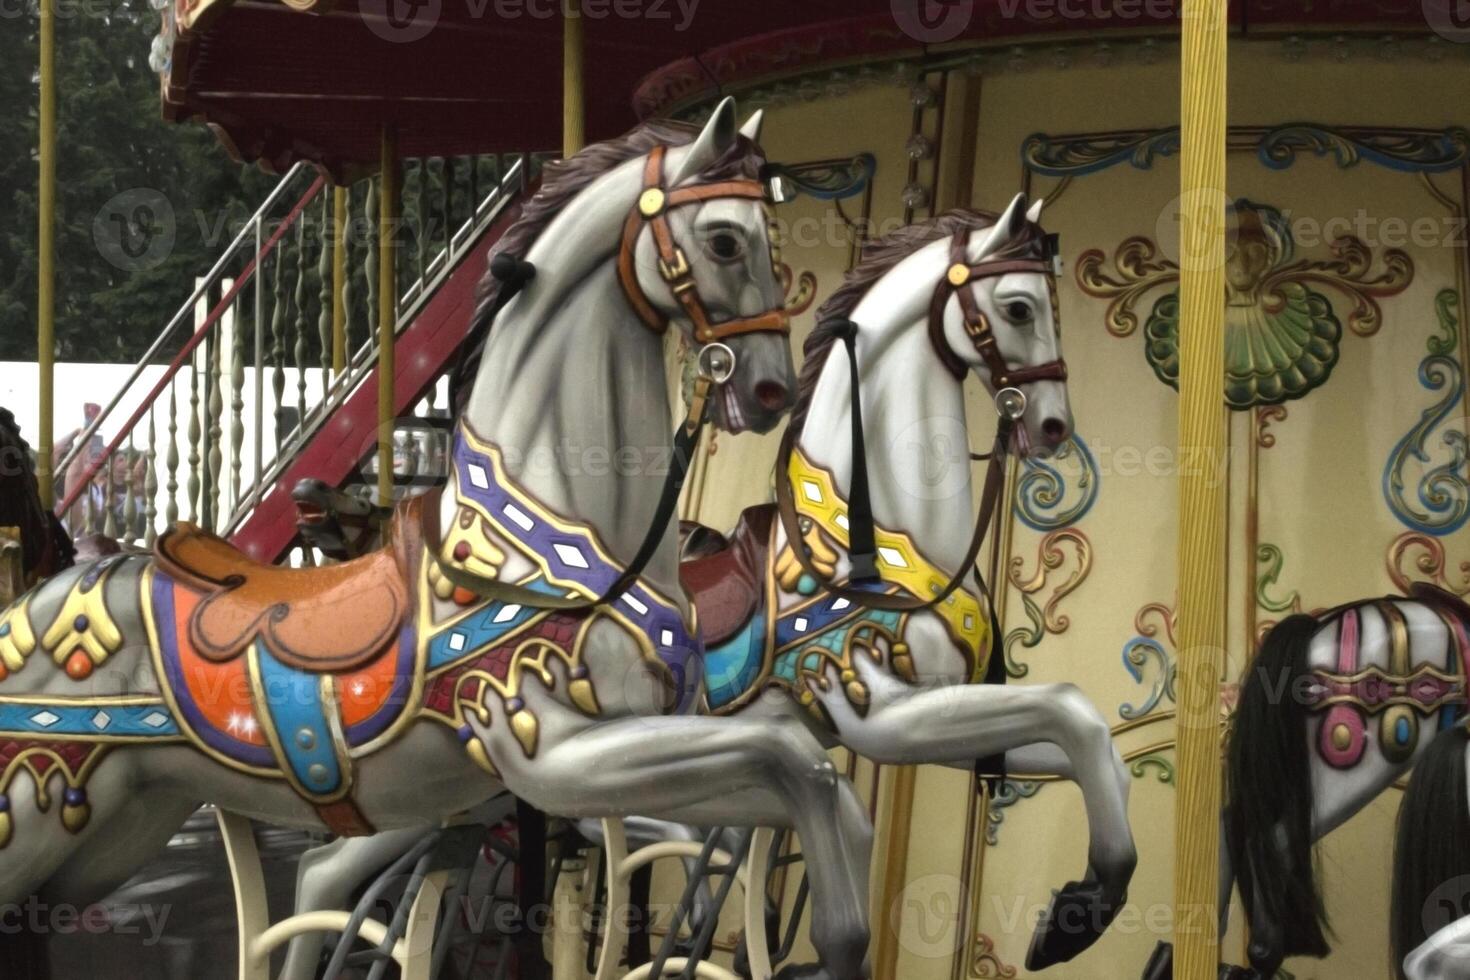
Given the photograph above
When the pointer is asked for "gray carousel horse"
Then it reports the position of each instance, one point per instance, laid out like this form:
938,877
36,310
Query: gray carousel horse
874,491
1304,757
500,639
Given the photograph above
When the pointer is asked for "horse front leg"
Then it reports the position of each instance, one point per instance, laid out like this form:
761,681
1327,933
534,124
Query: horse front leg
714,771
904,724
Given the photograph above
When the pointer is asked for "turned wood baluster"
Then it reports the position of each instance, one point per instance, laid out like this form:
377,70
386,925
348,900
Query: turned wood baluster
171,457
150,486
130,496
243,320
370,260
324,296
278,339
299,324
109,517
196,432
446,198
216,410
421,225
349,288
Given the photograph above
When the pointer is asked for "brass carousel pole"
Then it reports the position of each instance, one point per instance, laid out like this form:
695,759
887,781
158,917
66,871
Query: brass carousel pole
1202,474
387,308
46,252
573,118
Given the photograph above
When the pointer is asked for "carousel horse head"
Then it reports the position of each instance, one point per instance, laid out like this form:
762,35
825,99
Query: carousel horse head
688,211
996,314
983,287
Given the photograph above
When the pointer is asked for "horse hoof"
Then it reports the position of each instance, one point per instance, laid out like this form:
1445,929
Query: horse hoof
1078,916
1228,972
1265,959
1161,963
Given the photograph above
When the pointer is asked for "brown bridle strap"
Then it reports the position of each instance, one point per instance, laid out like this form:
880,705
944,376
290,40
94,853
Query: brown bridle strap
956,283
652,209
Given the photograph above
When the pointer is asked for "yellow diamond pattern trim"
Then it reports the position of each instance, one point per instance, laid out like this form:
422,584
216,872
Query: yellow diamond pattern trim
899,561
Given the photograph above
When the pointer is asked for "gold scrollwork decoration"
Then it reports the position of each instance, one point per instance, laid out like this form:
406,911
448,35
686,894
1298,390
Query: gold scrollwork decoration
1139,269
1051,555
985,964
1430,564
1265,415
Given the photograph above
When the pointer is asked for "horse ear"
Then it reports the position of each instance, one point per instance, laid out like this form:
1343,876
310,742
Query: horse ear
1033,213
718,134
752,128
1011,221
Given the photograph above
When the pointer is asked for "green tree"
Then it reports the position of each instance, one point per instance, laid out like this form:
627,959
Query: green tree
116,157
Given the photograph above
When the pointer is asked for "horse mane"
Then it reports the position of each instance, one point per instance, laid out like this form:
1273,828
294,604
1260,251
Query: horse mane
878,257
563,180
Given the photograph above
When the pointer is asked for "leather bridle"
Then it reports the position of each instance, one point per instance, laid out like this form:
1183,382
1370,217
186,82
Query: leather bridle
652,210
960,274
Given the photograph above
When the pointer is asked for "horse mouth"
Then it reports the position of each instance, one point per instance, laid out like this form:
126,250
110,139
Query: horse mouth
735,420
310,514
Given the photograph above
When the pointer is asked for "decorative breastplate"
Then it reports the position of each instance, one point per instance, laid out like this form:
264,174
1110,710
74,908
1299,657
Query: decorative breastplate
796,647
900,562
570,556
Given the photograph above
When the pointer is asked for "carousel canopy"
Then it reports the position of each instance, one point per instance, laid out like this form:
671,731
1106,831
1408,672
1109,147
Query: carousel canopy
317,79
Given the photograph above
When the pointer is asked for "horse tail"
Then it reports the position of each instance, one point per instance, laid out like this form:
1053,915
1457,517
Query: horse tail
1432,852
1269,787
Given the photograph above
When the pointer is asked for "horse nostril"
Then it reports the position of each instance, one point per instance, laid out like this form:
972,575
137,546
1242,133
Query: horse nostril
1055,430
771,394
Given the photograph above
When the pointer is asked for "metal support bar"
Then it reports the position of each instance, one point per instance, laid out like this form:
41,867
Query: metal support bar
46,254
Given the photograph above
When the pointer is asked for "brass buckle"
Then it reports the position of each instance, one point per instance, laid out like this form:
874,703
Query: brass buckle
675,270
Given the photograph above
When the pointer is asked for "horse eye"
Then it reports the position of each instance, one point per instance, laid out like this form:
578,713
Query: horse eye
1018,311
725,246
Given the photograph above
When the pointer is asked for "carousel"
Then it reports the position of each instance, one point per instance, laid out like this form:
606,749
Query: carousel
627,505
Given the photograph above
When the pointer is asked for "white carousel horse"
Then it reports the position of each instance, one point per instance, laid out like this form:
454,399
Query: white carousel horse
1303,755
407,686
879,669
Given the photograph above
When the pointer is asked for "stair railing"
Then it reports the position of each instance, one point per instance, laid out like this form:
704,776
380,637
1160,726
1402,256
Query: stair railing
245,390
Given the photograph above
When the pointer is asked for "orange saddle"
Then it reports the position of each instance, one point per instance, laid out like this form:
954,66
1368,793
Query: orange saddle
329,619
